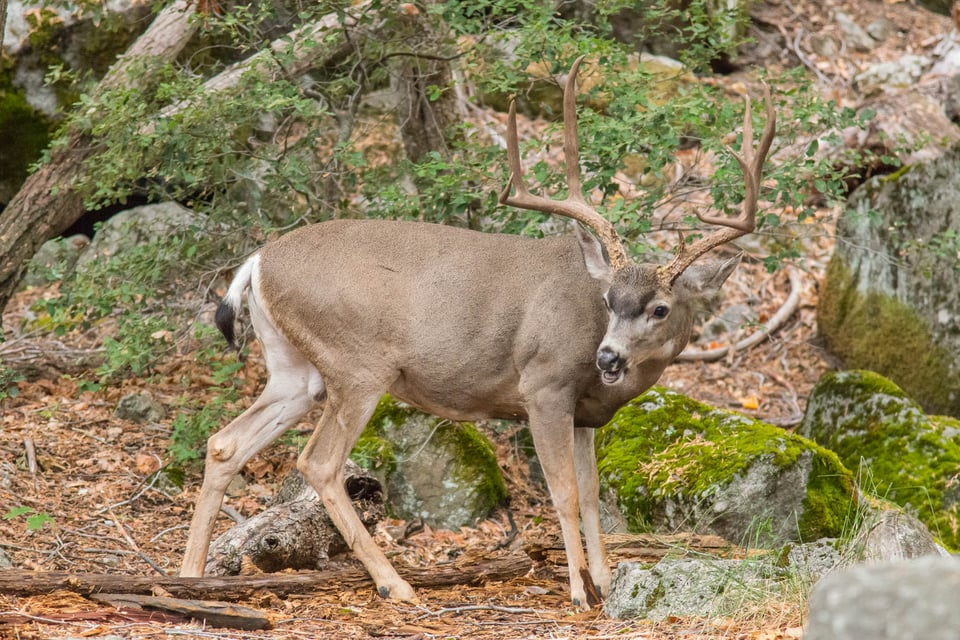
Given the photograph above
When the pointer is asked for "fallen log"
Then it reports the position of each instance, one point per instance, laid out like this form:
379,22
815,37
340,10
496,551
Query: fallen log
295,532
467,572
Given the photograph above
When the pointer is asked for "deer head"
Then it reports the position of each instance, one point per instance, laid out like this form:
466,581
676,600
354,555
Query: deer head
640,298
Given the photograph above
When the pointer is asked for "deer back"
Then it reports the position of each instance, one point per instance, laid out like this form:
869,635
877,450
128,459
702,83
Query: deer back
457,322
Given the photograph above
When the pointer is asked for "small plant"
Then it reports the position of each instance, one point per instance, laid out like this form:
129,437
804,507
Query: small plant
8,382
199,418
34,519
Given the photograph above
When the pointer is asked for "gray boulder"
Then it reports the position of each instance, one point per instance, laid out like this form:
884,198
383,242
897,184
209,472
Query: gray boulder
138,226
54,260
683,588
891,535
911,600
675,464
141,408
903,454
445,473
890,300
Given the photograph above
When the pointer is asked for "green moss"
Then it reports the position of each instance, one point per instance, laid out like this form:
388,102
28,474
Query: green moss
904,455
896,175
877,332
478,463
665,448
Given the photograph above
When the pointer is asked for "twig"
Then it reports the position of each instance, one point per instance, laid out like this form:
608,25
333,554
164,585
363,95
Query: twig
133,544
232,513
144,487
788,308
168,530
31,460
478,607
803,57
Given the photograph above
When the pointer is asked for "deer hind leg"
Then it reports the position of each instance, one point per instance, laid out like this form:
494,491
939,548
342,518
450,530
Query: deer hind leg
588,482
291,390
344,417
553,438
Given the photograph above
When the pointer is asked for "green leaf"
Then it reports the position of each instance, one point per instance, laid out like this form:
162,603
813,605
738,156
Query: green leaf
16,512
37,520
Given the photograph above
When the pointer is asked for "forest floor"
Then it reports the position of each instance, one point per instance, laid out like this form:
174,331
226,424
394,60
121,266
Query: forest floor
65,454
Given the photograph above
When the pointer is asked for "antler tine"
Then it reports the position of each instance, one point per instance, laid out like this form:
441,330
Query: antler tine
751,163
574,205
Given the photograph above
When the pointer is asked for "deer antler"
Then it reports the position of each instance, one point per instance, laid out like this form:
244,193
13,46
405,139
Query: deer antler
751,163
574,205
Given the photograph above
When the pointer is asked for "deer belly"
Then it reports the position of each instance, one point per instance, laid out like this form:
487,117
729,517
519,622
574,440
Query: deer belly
460,399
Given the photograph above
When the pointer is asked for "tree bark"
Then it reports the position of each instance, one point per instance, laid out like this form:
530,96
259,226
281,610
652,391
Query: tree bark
295,531
211,613
469,572
46,205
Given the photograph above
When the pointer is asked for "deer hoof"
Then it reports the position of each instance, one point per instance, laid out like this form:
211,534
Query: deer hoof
400,591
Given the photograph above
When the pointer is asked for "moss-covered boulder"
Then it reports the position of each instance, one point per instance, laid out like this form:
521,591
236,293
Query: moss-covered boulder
677,464
890,301
444,472
904,455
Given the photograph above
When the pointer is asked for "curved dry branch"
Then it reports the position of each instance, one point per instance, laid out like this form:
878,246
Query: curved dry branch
787,309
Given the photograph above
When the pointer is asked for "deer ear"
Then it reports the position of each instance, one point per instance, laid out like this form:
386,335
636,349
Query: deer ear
706,278
594,256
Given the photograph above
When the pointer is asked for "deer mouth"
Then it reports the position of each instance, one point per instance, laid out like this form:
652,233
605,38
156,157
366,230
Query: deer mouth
612,377
612,366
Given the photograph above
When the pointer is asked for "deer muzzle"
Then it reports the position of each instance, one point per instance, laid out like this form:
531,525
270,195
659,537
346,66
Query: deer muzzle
611,364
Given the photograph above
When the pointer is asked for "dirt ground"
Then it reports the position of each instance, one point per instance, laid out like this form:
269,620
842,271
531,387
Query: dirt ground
64,453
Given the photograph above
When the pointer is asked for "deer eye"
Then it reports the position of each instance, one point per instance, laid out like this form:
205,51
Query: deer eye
661,311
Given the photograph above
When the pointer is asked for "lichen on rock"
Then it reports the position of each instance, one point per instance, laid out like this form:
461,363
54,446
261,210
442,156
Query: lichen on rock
675,463
902,454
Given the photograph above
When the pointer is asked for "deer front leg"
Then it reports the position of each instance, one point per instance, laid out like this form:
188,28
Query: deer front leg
553,438
588,482
321,463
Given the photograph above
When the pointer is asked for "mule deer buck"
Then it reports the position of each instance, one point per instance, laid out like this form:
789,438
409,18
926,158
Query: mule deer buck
558,331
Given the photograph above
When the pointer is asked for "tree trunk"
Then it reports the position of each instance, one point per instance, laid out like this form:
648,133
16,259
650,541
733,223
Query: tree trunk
46,205
426,125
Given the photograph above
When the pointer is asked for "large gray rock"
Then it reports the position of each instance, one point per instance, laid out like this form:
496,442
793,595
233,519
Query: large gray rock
443,472
138,226
890,302
690,587
891,535
675,464
912,600
54,260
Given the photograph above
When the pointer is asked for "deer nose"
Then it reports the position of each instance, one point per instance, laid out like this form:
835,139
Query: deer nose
609,360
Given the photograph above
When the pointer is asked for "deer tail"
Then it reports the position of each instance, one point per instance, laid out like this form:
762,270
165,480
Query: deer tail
230,305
